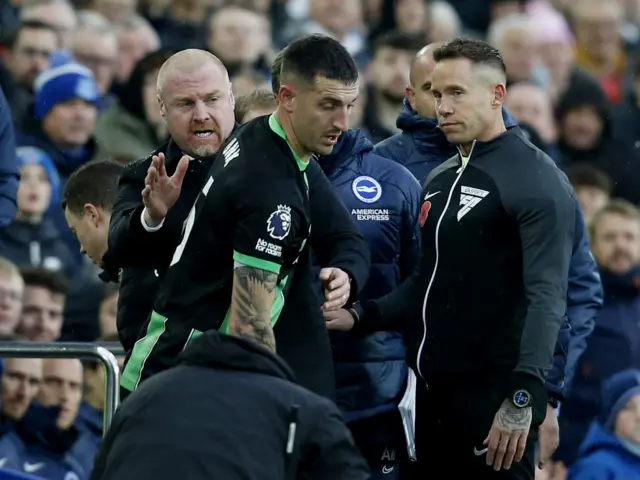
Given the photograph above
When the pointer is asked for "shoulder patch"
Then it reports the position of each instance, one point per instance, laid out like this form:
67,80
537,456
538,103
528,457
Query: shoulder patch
366,189
279,222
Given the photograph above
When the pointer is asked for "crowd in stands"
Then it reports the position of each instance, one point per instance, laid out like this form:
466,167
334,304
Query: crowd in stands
79,78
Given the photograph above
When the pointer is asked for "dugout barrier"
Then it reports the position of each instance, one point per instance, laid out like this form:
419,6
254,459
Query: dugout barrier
105,353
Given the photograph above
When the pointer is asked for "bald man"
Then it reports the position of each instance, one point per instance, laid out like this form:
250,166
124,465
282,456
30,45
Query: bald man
421,147
195,99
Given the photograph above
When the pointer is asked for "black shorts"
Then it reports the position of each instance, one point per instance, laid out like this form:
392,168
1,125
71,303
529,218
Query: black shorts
453,418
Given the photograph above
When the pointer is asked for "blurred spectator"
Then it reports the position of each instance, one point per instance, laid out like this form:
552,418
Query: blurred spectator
57,13
182,25
132,126
246,80
26,56
593,189
444,22
599,45
411,16
514,35
62,386
504,8
614,344
95,45
626,118
32,240
11,295
340,19
389,77
65,111
109,312
612,447
42,442
9,174
91,412
240,38
42,306
586,135
21,380
531,105
257,103
557,52
136,38
115,10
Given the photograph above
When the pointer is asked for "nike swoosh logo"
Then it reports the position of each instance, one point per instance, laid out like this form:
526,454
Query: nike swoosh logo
429,195
32,467
479,453
386,470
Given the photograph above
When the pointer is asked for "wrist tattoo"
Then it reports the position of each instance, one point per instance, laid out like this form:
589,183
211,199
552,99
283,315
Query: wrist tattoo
512,418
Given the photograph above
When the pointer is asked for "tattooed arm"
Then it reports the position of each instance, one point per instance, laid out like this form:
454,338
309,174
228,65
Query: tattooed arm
251,301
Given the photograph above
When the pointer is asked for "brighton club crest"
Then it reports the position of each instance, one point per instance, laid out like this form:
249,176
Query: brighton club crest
279,222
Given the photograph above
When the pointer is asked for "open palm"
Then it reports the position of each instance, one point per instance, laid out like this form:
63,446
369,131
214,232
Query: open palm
160,190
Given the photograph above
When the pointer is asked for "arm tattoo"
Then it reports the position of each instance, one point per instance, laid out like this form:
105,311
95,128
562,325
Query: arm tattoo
512,418
251,301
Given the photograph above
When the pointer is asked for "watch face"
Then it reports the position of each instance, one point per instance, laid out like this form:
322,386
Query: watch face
521,398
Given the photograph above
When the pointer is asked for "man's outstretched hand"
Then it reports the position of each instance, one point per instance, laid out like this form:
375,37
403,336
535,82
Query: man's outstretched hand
161,191
337,288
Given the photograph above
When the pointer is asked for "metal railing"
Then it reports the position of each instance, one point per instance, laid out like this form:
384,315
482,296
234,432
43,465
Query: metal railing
80,350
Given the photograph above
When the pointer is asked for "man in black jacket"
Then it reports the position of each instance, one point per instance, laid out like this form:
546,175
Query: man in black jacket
241,416
485,304
336,240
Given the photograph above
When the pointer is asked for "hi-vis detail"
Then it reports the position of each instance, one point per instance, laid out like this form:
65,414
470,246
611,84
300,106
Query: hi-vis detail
469,198
231,151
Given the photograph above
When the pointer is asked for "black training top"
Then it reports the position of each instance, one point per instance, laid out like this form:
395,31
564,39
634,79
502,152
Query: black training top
489,293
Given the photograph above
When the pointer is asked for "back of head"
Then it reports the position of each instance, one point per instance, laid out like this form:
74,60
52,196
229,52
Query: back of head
256,103
94,183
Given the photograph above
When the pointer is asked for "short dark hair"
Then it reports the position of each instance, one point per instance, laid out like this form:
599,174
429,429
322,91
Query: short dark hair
589,176
96,183
318,55
276,71
12,38
55,282
476,51
256,99
408,42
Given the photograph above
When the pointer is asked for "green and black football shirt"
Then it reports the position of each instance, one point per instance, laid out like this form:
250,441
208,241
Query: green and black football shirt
253,210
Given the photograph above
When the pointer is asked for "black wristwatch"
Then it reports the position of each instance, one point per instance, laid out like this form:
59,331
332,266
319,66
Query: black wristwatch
521,398
553,401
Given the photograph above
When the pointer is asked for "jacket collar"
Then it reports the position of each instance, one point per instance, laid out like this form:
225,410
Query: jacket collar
224,352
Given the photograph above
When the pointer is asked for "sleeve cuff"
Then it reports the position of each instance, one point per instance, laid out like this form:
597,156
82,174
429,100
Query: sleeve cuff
532,384
147,227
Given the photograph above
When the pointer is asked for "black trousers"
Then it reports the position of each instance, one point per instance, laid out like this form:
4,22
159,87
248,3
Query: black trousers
453,418
381,442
